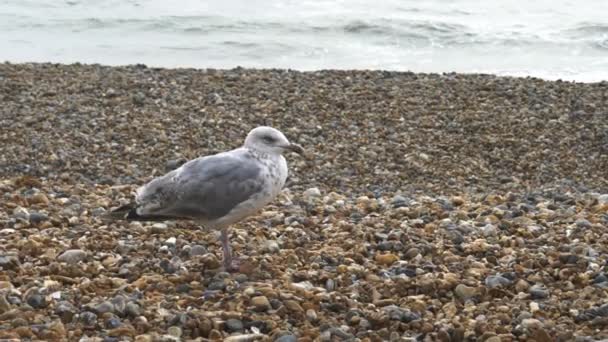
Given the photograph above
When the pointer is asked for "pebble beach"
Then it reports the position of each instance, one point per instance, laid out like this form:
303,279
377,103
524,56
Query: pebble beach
430,207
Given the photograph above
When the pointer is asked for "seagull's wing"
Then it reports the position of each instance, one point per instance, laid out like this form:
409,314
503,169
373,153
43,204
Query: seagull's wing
205,188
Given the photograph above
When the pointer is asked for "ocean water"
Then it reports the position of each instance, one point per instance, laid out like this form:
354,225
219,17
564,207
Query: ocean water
550,39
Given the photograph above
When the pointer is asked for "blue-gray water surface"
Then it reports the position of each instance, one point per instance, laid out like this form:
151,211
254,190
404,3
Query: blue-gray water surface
549,39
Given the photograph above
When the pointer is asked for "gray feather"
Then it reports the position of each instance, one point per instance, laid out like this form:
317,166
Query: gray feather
204,188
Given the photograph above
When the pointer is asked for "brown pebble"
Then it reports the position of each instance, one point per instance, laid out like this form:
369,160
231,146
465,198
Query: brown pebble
39,198
386,259
260,303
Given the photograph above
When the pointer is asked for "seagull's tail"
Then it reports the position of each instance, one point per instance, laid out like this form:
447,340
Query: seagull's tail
128,212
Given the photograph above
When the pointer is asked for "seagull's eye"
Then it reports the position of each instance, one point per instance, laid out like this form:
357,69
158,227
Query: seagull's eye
268,139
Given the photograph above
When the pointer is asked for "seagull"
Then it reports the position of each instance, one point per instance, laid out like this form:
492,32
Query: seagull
218,190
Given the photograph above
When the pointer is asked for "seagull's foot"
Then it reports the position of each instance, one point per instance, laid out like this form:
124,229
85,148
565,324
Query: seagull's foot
232,264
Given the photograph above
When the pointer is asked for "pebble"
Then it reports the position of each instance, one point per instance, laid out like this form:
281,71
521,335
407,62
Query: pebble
399,201
103,307
260,303
400,314
287,338
132,309
88,318
175,331
158,228
386,259
539,292
233,325
4,304
197,250
9,262
497,281
21,213
72,256
65,310
39,198
37,217
311,194
465,292
36,301
243,338
271,246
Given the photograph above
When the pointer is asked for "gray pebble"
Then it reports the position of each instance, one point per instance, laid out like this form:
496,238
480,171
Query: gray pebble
21,213
113,322
539,292
36,217
271,246
198,250
494,281
88,318
9,262
72,256
65,310
132,309
287,338
583,223
103,307
168,266
217,285
119,303
399,314
233,325
36,301
399,201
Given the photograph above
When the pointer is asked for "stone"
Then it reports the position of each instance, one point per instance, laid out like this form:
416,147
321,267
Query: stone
103,307
494,281
293,306
36,217
88,318
72,256
260,303
9,262
311,194
198,250
21,213
39,198
233,325
4,304
158,228
36,300
465,292
175,331
271,246
539,292
386,259
399,201
287,338
522,286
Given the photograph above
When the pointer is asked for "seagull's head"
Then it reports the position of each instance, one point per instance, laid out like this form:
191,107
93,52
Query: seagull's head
269,140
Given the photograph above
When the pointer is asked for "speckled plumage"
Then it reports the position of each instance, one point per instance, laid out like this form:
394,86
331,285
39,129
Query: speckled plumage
219,190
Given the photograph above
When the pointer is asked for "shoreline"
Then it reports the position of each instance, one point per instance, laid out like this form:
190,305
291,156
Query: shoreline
447,207
506,74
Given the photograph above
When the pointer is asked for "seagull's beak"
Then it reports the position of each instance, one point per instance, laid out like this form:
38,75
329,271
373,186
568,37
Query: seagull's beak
294,148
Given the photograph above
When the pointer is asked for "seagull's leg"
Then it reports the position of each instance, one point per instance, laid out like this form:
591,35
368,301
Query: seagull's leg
228,261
